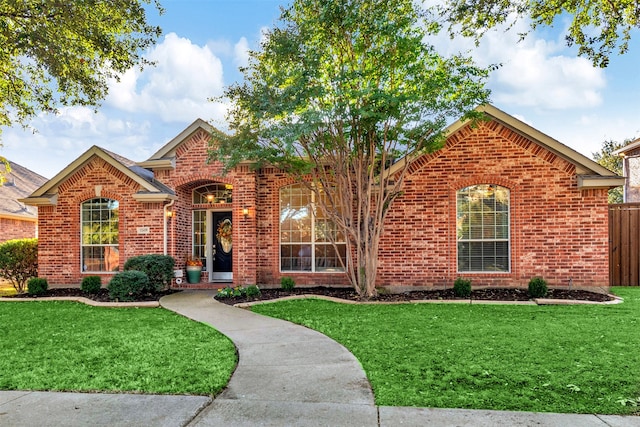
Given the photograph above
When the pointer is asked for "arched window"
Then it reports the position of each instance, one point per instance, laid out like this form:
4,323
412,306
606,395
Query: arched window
306,235
99,240
483,229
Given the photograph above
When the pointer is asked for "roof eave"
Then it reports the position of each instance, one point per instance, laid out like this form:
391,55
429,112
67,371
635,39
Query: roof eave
159,164
46,200
586,182
19,217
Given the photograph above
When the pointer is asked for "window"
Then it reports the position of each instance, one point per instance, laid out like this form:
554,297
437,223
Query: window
306,235
99,238
483,228
213,193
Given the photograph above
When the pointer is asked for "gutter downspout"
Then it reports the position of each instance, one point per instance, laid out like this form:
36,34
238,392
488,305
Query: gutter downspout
165,221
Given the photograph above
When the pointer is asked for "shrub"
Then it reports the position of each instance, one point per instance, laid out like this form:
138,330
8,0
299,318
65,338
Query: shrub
537,287
127,285
37,286
287,283
91,284
252,291
158,268
462,287
19,261
229,292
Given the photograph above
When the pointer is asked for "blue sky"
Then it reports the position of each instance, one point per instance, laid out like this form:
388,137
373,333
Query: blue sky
540,82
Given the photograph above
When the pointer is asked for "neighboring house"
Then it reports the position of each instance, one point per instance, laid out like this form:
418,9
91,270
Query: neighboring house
17,220
631,170
500,203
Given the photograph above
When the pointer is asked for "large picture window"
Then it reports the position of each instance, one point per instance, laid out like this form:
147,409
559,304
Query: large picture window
483,229
307,237
99,238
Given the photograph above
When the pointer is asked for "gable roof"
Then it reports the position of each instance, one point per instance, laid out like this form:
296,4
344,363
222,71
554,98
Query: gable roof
20,182
629,147
165,156
589,173
151,190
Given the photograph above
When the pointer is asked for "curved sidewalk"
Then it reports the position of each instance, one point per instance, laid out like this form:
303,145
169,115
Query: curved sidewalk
286,374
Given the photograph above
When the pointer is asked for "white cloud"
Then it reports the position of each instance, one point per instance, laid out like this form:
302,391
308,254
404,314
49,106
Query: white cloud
241,52
177,88
534,72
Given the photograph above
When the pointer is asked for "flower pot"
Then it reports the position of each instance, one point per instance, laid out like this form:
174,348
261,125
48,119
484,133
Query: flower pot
193,273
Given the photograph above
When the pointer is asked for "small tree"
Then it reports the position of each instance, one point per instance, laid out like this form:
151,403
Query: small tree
19,261
606,158
339,92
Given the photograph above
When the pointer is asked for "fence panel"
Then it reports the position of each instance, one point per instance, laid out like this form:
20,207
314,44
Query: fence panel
624,244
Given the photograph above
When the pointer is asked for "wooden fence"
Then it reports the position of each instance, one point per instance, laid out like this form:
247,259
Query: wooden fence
624,244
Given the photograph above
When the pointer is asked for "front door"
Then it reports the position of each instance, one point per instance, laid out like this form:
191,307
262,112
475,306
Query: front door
222,248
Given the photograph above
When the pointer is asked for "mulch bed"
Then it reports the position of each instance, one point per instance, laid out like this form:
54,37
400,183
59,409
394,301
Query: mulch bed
492,294
101,296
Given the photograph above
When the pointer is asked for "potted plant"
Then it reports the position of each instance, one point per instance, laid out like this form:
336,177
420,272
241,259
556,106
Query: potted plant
194,268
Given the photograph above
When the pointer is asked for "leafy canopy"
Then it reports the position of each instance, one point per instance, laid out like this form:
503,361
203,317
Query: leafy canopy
598,27
62,52
339,91
345,75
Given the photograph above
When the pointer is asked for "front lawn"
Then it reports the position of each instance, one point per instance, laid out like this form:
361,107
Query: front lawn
573,359
67,346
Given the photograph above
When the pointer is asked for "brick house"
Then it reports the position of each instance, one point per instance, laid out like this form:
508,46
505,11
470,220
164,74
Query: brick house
17,220
499,203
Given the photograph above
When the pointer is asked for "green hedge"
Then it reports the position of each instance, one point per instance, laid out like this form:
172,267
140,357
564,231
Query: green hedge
19,261
158,268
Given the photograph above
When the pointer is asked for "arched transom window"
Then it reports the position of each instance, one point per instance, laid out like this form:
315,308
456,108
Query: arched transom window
483,229
100,235
213,193
306,235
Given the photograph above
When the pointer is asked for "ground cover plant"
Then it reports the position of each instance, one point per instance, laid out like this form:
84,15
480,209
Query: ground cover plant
573,359
67,346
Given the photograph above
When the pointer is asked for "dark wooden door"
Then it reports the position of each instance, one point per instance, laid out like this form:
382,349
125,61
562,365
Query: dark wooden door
222,252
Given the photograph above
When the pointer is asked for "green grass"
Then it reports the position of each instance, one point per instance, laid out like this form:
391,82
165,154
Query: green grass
67,346
572,359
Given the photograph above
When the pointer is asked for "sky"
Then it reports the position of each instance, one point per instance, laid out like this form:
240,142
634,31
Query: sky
540,81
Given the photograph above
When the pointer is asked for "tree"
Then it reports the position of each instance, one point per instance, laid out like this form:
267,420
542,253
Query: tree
63,52
606,158
598,27
19,261
339,91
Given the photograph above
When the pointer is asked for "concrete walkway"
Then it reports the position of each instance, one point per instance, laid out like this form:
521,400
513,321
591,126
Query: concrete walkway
287,375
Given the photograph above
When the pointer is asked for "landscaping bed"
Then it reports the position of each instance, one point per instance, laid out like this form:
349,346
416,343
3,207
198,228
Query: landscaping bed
489,294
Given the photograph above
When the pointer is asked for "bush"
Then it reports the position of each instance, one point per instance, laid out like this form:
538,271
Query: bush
287,283
91,284
158,268
462,287
37,286
19,261
252,291
127,285
537,287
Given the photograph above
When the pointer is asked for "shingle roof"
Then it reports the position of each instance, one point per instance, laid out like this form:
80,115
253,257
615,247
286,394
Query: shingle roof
20,183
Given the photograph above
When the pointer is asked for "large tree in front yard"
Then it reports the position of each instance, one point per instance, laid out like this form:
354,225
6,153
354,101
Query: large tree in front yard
339,91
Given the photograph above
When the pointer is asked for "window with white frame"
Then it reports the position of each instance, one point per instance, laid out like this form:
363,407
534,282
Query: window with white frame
309,241
99,235
482,225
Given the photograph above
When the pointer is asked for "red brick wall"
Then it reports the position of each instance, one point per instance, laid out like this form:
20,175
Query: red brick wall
557,231
16,229
59,242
